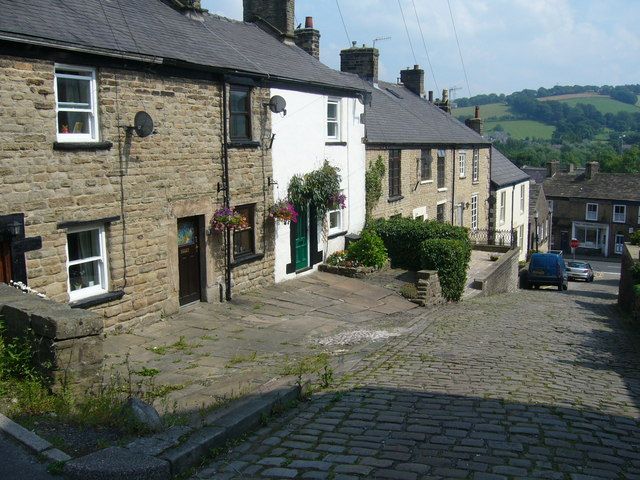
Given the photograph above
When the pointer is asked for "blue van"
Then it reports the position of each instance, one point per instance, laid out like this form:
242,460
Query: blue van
547,269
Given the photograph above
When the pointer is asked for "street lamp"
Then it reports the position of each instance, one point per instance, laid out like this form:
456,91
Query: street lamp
535,220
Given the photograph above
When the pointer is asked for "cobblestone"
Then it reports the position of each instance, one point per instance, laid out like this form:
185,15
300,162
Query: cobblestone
535,384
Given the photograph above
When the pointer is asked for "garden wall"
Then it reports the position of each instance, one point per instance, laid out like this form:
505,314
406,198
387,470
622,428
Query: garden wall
68,343
503,278
628,301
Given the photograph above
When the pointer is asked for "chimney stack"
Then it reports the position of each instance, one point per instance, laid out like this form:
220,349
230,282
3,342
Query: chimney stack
430,96
475,123
308,38
552,168
278,16
444,103
413,79
363,61
591,170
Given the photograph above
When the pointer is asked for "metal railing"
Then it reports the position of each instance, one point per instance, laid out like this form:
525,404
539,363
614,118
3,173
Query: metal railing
507,238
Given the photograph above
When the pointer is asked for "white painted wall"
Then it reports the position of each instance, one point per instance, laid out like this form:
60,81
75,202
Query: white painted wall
300,146
513,213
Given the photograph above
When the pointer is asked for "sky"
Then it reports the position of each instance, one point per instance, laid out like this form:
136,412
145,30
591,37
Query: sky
506,45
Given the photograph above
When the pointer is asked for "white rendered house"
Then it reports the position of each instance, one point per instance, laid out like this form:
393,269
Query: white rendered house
315,128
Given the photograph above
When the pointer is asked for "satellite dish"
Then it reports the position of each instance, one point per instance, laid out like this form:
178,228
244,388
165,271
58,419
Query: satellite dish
277,104
143,124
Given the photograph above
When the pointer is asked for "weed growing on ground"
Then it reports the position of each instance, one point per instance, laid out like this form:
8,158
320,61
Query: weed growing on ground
239,358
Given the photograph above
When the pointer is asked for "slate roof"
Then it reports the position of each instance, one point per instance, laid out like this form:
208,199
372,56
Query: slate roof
503,172
603,186
537,174
398,116
153,28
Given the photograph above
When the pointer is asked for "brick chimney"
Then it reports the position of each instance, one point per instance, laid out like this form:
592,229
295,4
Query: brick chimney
475,123
413,79
444,104
363,61
188,5
552,168
275,16
308,38
591,170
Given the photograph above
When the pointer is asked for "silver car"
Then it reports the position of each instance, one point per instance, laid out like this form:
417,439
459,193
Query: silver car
579,271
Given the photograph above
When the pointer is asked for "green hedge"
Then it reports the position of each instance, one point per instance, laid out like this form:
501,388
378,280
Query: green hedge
635,238
403,236
450,257
368,251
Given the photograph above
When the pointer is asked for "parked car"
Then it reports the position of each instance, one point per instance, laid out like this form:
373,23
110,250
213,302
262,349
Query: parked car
547,269
579,271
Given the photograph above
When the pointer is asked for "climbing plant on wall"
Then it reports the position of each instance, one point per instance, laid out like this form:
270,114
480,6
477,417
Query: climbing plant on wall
373,184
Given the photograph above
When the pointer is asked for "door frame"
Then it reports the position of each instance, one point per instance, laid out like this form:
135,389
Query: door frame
202,257
315,256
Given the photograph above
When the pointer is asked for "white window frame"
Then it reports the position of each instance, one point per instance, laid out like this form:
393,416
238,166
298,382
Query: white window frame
103,286
462,163
639,215
475,165
616,216
338,211
90,76
474,211
522,192
589,215
502,207
336,120
618,246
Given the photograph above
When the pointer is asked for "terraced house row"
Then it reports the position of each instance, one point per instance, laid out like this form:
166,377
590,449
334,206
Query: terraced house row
125,126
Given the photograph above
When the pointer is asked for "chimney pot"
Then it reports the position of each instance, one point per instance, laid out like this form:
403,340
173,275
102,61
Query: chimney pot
416,67
308,38
477,111
476,123
431,96
308,22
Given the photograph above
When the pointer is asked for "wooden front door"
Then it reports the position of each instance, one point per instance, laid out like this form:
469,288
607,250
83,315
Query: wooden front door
302,240
189,260
5,262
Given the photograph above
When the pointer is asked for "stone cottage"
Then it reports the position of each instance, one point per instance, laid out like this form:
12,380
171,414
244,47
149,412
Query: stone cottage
123,127
436,167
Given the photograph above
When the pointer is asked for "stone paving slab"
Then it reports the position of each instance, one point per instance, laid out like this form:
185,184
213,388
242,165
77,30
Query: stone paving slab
535,384
219,351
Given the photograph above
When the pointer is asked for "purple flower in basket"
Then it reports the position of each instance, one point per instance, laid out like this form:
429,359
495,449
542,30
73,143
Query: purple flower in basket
338,200
227,218
284,211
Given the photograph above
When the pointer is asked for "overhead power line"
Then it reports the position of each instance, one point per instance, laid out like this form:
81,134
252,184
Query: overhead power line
415,60
424,44
466,78
343,24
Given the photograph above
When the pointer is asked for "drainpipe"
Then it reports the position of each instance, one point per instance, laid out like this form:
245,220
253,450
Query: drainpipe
226,195
453,189
513,193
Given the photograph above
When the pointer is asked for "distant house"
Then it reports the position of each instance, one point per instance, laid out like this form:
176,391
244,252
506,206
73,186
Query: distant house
600,210
510,200
436,167
539,219
104,211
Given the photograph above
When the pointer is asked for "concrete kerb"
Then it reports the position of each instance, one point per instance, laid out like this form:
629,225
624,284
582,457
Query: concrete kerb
30,440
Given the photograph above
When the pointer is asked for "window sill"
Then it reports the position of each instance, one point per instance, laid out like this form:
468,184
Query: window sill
475,182
462,177
81,146
443,189
425,182
243,144
397,198
336,143
252,257
97,299
336,234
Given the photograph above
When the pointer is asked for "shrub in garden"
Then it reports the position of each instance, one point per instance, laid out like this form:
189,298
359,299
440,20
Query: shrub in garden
450,257
635,238
368,251
403,236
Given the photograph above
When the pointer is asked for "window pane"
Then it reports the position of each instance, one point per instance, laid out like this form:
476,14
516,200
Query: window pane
73,122
332,129
239,101
84,275
83,244
243,242
332,111
239,126
334,219
77,92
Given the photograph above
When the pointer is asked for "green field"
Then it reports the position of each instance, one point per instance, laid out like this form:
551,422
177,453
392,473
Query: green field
521,129
491,110
603,104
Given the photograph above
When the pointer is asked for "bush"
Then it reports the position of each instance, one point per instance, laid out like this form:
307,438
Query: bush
635,238
635,272
368,251
403,236
337,258
450,257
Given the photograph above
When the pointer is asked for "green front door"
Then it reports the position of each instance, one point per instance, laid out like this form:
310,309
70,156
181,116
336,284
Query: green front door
302,241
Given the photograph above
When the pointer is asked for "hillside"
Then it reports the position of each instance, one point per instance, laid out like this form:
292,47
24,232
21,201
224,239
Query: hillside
500,115
603,103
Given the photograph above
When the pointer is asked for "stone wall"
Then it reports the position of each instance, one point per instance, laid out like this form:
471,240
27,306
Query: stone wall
69,340
143,184
418,195
503,277
428,288
627,300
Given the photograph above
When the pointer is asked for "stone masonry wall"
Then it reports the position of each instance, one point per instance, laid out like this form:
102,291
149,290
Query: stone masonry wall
627,300
67,343
503,277
419,194
148,182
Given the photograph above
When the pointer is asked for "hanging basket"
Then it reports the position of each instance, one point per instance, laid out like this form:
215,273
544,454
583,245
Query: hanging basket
227,218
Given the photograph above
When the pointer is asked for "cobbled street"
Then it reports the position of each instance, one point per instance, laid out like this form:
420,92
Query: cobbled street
536,384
